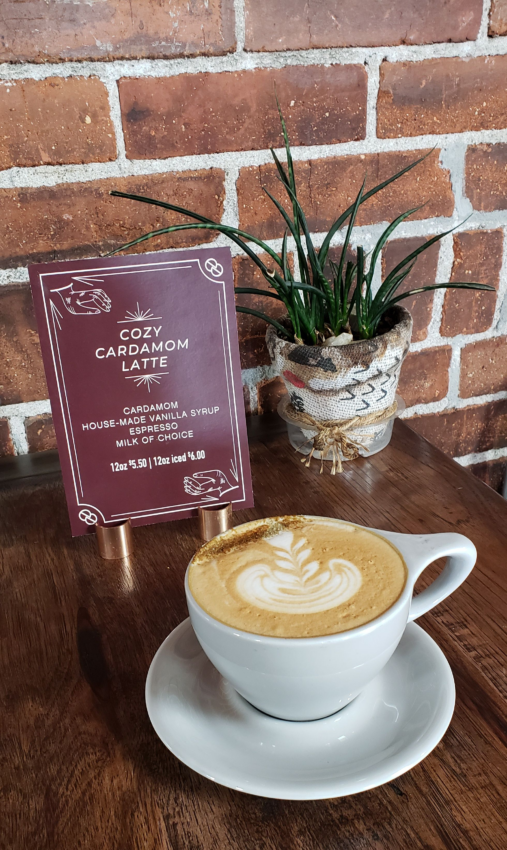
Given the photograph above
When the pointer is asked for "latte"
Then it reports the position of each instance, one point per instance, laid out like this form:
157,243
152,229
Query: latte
297,577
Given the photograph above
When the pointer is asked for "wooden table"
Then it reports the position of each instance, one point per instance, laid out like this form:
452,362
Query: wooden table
83,769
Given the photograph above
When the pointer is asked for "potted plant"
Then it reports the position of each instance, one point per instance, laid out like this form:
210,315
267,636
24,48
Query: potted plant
340,347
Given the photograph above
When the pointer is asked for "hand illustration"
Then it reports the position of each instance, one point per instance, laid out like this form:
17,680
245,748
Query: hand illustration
213,481
84,301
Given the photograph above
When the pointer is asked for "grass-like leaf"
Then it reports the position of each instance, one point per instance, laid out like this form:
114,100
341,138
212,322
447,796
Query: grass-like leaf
233,232
319,304
265,318
476,286
251,290
338,224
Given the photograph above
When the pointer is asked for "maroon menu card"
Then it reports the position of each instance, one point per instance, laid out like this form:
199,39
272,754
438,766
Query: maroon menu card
142,363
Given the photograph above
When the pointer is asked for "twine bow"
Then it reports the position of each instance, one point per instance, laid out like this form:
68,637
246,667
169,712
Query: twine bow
334,434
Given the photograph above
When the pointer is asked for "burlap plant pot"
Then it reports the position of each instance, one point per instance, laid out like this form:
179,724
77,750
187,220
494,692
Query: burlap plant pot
349,382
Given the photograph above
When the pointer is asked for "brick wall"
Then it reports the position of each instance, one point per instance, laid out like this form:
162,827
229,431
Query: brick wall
176,100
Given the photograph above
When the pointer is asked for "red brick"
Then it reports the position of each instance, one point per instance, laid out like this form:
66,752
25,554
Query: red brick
486,177
477,258
492,472
271,25
6,444
252,331
425,375
55,121
269,394
40,433
477,428
498,18
334,255
448,95
326,187
37,31
208,113
82,219
423,274
21,370
484,367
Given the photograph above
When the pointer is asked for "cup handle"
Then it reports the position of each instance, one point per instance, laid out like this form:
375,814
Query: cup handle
461,556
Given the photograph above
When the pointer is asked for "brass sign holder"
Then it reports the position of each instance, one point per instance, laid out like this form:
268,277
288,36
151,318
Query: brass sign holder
115,541
214,519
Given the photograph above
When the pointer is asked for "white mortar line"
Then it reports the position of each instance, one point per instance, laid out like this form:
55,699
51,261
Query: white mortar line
230,213
444,265
230,210
252,378
482,36
454,377
259,373
444,268
18,434
239,15
52,175
425,408
365,235
443,405
115,112
16,414
24,409
452,157
461,403
481,457
500,318
241,60
253,397
461,340
373,71
18,275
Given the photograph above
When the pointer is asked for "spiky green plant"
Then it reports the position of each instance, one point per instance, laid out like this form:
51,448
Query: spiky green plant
318,305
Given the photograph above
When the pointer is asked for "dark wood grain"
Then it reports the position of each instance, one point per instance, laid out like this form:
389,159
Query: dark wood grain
81,767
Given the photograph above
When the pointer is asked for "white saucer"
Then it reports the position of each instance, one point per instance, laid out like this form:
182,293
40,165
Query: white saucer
391,726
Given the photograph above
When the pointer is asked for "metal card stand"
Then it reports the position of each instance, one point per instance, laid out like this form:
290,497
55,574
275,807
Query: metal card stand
214,520
115,541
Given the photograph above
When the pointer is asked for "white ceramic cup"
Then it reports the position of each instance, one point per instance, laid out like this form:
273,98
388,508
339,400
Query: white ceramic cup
313,677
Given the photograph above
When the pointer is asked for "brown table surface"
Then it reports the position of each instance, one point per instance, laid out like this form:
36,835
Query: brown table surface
82,768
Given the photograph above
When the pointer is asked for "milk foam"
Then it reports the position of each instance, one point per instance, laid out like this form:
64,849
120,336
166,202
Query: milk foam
297,576
295,584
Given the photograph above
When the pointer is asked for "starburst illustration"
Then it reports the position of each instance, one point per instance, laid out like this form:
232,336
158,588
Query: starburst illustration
138,315
146,380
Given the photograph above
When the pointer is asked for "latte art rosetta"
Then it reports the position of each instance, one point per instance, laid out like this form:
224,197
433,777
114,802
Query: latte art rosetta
296,576
294,584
